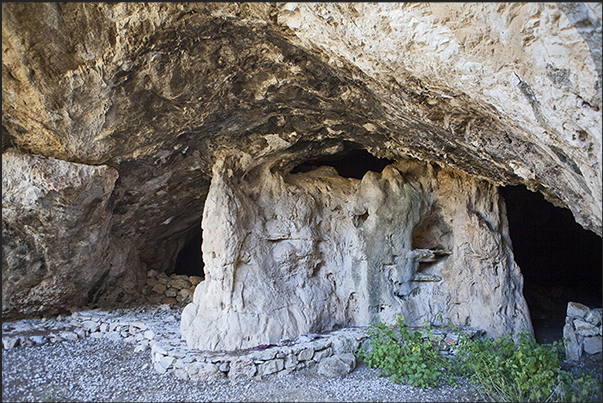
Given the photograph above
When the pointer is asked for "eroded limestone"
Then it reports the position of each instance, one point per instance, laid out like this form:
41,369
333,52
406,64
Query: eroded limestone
289,255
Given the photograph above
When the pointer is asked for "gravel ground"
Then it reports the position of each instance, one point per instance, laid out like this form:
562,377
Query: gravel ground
100,370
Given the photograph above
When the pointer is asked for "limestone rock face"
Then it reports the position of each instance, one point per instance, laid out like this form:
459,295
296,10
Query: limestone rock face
538,64
161,92
56,246
300,253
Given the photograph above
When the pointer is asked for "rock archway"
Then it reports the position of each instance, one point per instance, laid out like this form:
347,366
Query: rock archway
122,122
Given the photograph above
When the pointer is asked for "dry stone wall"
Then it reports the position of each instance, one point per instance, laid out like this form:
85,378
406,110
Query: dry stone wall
582,333
173,289
291,255
154,328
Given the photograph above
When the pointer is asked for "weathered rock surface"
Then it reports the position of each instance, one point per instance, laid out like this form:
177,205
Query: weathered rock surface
303,253
57,250
160,92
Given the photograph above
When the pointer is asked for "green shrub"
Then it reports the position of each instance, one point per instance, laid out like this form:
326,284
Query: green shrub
403,354
526,371
503,371
499,369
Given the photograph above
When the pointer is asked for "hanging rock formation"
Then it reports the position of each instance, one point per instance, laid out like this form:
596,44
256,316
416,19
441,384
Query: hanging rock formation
148,101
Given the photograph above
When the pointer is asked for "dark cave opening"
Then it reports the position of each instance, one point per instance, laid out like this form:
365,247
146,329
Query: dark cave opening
349,164
190,259
560,261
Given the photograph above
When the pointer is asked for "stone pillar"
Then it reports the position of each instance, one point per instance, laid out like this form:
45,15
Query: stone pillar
287,255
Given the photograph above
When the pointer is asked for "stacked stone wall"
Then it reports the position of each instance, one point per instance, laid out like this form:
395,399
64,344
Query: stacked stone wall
582,333
173,289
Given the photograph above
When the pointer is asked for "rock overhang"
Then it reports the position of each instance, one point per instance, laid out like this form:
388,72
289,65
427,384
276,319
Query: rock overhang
165,90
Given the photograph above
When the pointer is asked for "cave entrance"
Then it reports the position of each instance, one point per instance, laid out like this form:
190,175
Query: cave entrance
560,261
349,164
190,259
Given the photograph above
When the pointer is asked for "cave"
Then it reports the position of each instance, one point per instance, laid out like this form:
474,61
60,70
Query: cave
190,260
353,163
560,260
174,109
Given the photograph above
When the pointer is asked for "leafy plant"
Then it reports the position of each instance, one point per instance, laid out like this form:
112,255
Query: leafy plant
405,355
500,369
522,371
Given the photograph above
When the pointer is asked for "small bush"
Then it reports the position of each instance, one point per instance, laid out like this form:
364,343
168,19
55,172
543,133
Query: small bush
526,371
403,354
500,369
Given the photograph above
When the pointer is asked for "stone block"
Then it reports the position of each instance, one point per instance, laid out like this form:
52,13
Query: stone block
193,368
160,369
140,325
159,348
291,362
573,350
179,283
67,335
185,293
242,368
342,345
271,367
322,354
593,317
159,288
592,345
585,329
306,354
171,292
337,365
115,336
264,355
10,342
165,361
576,310
181,373
210,372
90,325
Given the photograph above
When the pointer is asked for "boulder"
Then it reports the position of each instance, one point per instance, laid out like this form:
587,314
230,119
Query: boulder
337,365
57,246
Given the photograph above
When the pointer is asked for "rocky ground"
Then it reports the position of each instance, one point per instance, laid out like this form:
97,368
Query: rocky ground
108,371
111,370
